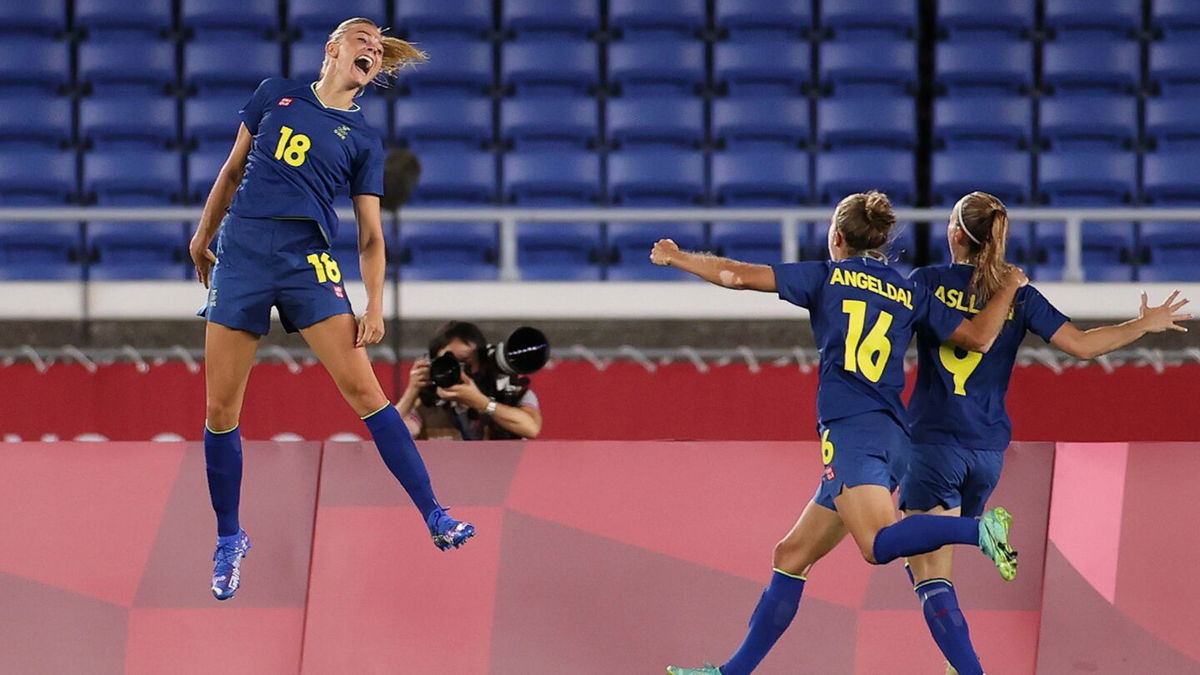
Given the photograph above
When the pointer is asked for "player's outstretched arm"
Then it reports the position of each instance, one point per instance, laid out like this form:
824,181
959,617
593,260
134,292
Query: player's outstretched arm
1088,344
219,198
720,271
979,332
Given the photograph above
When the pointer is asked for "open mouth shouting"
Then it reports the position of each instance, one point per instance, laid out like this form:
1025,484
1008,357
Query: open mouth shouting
364,63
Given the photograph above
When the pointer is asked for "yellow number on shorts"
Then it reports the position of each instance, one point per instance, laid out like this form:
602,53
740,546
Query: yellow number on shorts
960,367
326,267
867,355
292,148
826,447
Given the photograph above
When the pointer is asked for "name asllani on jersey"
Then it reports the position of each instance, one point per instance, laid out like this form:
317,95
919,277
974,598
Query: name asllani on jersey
867,282
961,300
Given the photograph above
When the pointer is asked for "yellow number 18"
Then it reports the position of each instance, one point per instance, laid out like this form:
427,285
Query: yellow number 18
292,147
867,355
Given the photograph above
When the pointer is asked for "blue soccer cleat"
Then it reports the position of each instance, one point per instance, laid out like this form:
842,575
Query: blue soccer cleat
993,541
447,532
708,669
227,573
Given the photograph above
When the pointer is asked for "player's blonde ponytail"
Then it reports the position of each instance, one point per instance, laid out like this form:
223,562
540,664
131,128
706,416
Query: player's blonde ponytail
397,53
984,219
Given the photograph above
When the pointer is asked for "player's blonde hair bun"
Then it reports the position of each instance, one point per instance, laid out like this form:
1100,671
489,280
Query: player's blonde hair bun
397,54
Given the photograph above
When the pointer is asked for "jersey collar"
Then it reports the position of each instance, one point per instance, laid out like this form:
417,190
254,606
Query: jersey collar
355,107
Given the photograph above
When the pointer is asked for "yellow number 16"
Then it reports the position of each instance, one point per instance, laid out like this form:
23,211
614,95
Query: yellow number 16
867,355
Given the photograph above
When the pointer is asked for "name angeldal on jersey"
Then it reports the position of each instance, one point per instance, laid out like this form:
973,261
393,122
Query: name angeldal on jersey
874,284
955,298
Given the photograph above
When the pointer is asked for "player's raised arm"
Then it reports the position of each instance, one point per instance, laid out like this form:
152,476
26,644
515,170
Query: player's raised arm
720,271
979,332
1088,344
219,198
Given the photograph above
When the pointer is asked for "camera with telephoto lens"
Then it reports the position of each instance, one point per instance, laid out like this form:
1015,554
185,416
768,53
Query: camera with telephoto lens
502,372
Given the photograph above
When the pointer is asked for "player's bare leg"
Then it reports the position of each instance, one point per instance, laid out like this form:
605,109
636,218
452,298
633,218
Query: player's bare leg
333,341
228,358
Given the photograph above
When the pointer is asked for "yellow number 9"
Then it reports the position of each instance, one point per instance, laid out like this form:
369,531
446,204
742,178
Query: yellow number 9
960,367
826,447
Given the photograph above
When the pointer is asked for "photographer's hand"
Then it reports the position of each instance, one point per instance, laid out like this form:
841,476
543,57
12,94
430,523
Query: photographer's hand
465,393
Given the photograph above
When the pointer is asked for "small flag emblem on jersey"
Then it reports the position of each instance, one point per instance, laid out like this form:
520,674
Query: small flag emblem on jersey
285,101
828,472
339,291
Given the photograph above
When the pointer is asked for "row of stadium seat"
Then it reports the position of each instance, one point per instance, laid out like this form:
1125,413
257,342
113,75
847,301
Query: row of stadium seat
651,177
574,251
533,18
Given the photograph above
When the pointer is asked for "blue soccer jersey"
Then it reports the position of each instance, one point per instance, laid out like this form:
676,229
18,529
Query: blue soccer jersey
959,395
304,153
863,314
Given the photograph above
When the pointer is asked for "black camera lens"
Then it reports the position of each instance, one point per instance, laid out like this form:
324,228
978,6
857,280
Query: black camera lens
524,352
445,371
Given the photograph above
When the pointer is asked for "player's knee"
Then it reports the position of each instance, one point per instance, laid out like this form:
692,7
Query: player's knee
221,416
791,557
364,396
868,553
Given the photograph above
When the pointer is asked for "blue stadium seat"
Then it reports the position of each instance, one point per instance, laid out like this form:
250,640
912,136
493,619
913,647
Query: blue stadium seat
40,251
1092,67
1179,271
771,121
541,19
47,18
901,250
212,122
121,68
35,121
869,19
641,122
557,68
430,20
1176,19
1092,19
230,67
840,173
305,58
1175,68
1169,251
1172,124
559,251
1087,178
991,69
317,18
637,18
376,111
769,177
464,122
345,248
1002,122
549,122
461,68
866,122
1107,250
1004,173
52,183
630,245
963,20
748,242
883,68
447,251
1076,122
456,178
763,68
255,19
552,177
202,169
656,178
1171,178
133,177
137,250
39,66
110,122
656,68
114,17
764,18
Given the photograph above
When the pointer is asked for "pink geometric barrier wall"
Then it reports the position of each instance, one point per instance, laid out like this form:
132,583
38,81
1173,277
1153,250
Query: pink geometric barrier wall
592,557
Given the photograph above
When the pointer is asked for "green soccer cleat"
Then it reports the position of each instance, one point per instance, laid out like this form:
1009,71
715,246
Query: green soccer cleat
993,541
708,669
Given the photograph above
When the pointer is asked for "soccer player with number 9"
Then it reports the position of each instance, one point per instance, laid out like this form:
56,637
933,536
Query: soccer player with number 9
299,144
863,315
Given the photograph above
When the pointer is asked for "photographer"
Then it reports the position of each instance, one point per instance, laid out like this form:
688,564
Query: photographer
485,404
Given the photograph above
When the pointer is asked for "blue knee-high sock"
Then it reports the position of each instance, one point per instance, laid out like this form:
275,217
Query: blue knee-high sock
400,453
223,460
921,534
947,625
771,617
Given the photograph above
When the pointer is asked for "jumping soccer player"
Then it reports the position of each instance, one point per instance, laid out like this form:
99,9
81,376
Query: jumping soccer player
299,145
959,426
863,314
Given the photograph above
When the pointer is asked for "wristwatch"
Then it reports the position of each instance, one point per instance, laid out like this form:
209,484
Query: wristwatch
491,407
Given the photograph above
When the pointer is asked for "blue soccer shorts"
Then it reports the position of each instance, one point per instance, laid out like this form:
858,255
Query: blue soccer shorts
950,476
266,262
867,449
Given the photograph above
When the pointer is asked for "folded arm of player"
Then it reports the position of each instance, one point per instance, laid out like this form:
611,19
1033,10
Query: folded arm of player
724,272
1088,344
218,202
979,332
